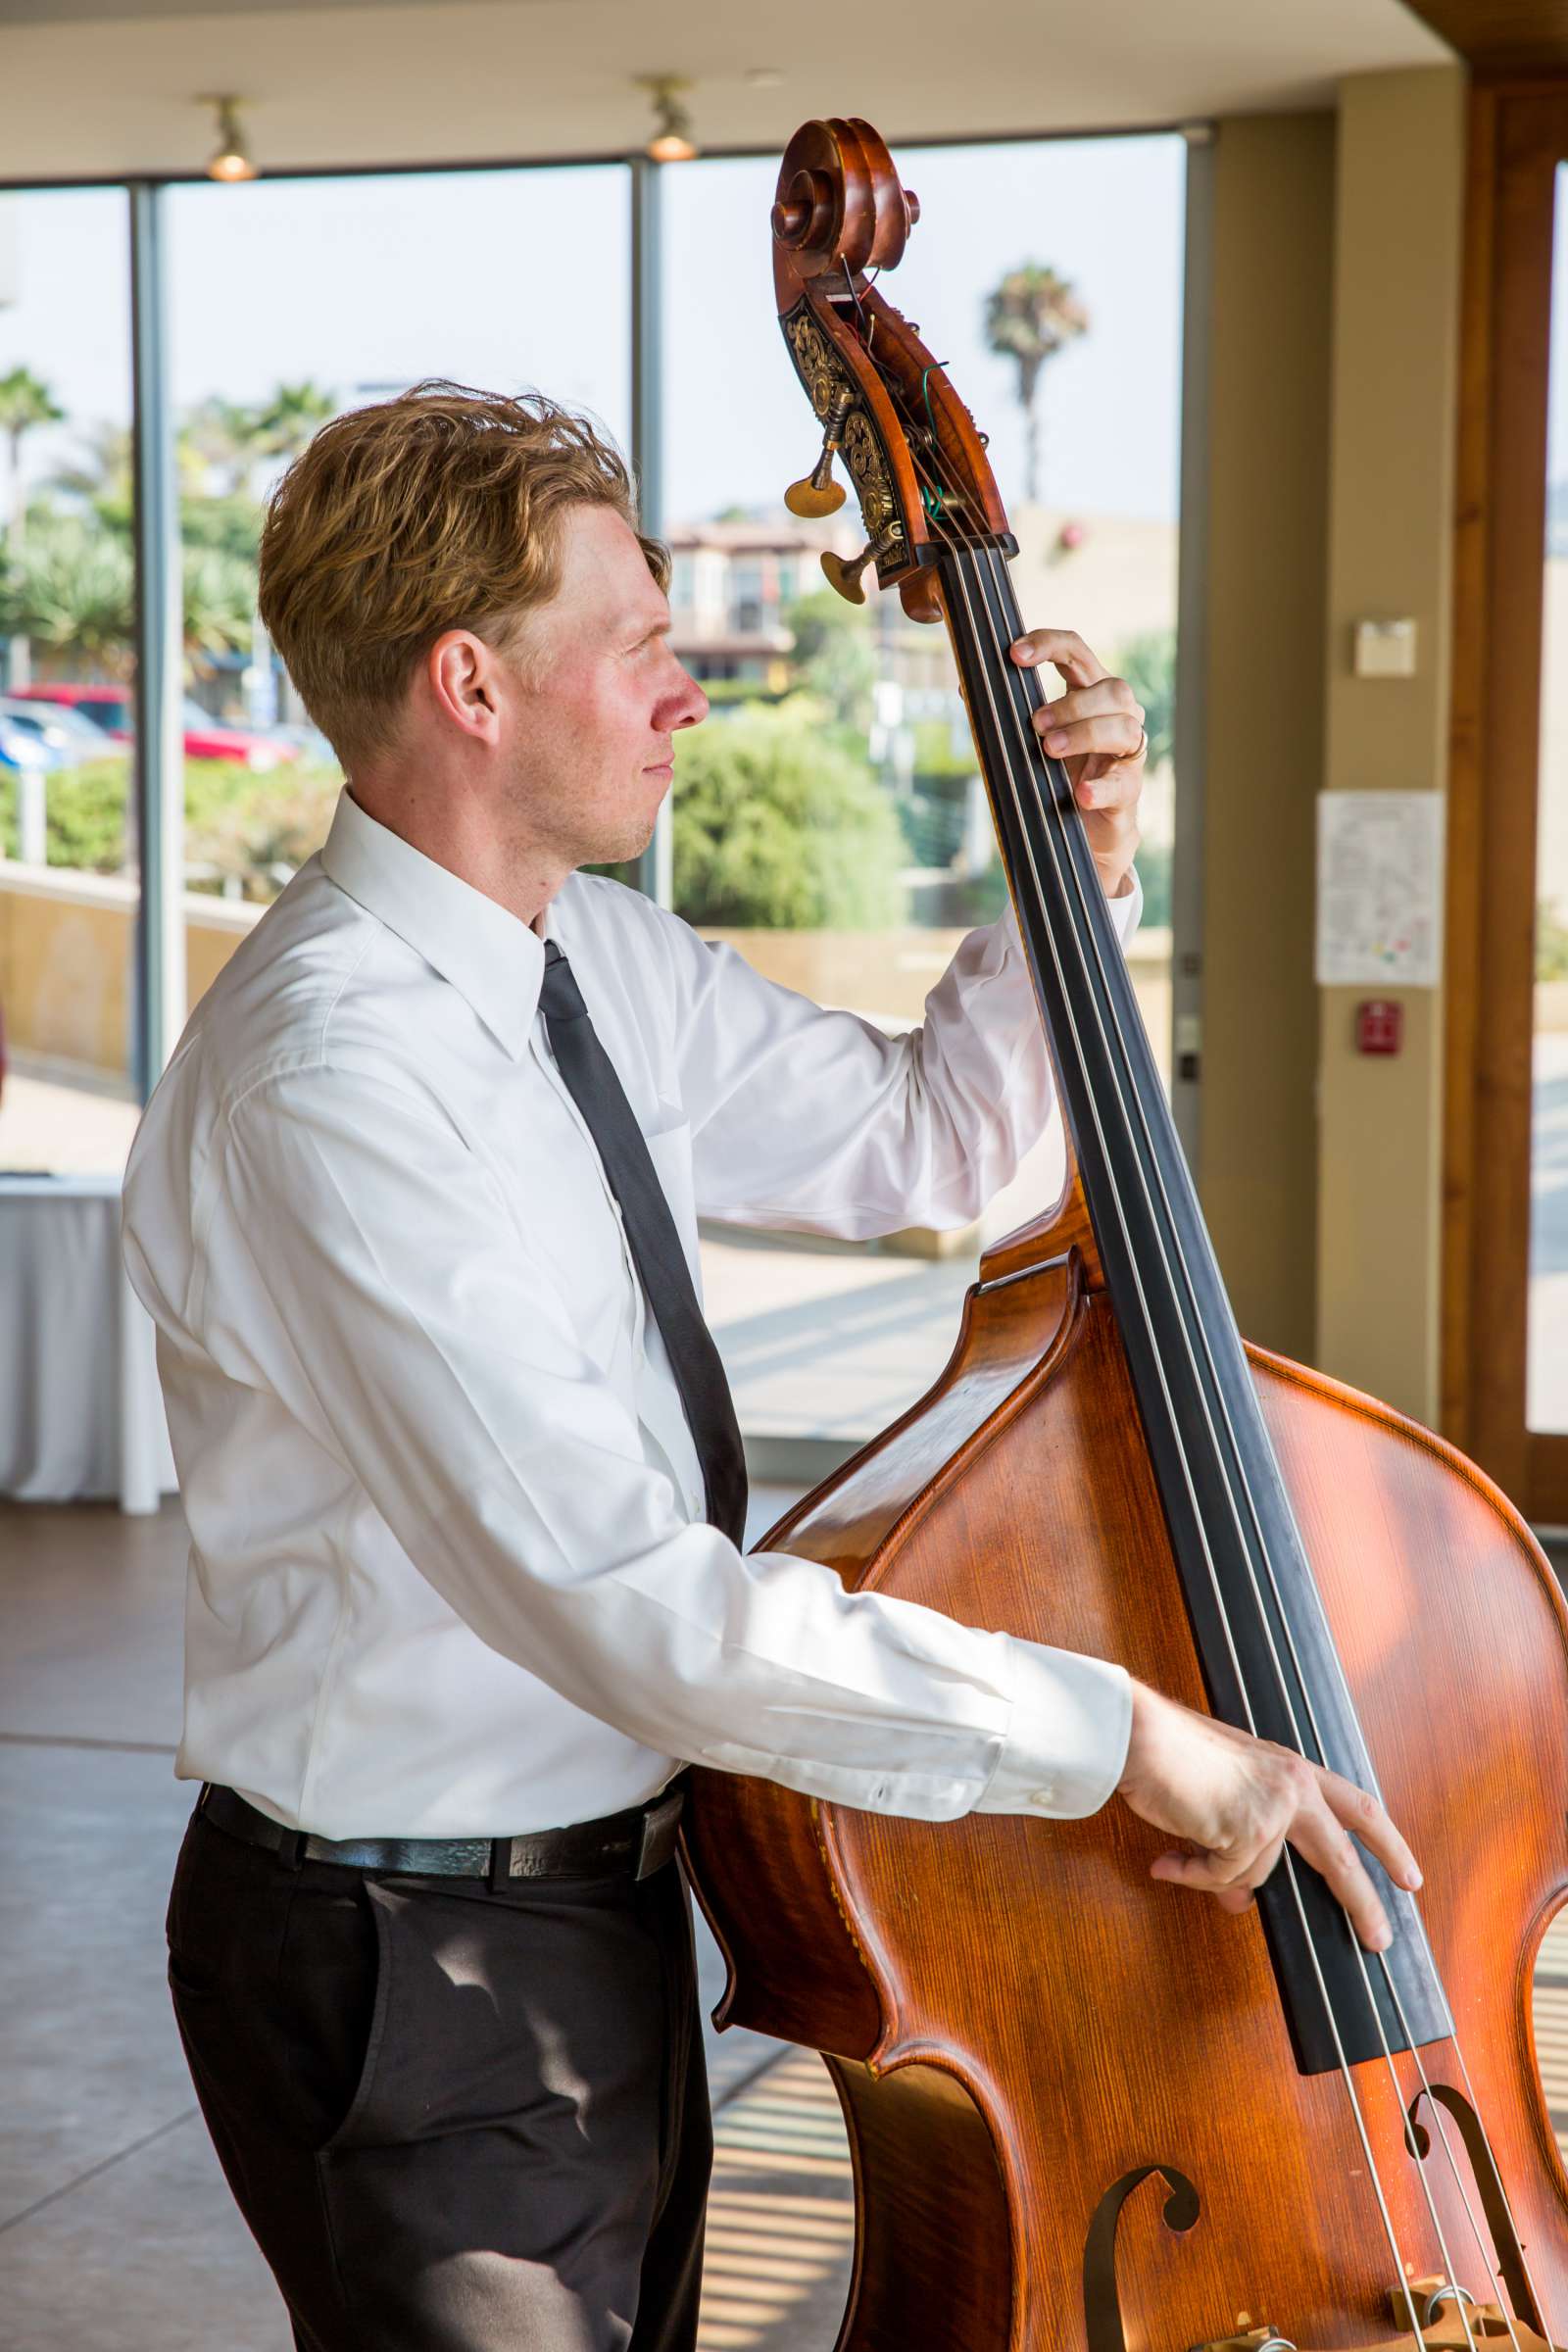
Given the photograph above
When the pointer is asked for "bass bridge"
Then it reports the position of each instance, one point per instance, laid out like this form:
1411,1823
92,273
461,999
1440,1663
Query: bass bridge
1448,2320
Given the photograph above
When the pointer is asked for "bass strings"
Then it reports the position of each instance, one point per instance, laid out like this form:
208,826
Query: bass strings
1263,1550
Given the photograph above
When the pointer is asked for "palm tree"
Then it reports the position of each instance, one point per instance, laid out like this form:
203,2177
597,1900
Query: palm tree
291,418
219,601
98,470
25,401
73,589
223,434
237,438
285,424
1028,317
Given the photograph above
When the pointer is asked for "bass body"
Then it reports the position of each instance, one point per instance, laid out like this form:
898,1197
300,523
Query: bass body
1069,2091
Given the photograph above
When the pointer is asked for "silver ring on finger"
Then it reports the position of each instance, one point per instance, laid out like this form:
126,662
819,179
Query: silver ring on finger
1142,745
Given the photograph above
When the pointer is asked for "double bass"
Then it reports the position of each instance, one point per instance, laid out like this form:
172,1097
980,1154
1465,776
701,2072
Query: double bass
1085,2110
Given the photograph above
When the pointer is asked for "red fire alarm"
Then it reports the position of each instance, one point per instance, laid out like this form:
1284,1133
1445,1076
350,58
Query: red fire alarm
1379,1025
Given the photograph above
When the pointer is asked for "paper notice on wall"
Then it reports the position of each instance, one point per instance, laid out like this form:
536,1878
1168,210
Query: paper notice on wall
1379,889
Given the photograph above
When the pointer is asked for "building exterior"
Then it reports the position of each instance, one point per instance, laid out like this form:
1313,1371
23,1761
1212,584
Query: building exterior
732,583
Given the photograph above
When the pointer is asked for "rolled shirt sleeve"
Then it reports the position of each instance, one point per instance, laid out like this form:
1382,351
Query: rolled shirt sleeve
415,1329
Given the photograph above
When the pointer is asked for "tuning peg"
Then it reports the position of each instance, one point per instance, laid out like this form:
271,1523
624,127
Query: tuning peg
845,578
817,494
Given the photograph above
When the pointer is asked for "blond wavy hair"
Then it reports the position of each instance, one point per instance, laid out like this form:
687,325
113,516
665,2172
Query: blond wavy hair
440,510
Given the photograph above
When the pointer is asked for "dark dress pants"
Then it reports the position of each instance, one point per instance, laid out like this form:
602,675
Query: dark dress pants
453,2120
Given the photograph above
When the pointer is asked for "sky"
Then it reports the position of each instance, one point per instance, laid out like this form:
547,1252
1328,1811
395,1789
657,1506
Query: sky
1104,212
516,278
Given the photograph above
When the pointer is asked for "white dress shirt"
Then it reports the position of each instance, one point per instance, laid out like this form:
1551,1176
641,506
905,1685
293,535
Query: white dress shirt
449,1570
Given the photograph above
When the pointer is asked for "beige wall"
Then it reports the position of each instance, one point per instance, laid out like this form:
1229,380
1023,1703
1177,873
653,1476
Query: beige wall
1396,356
67,949
64,968
1334,320
1267,552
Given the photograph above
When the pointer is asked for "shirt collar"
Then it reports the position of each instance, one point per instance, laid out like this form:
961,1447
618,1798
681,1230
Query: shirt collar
490,957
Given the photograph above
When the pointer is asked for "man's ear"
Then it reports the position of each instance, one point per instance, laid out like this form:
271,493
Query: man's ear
464,679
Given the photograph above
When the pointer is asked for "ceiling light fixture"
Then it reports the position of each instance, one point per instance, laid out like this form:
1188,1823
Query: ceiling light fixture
231,159
672,141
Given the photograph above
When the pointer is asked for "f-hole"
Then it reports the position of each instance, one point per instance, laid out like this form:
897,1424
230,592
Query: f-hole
1493,2201
1102,2297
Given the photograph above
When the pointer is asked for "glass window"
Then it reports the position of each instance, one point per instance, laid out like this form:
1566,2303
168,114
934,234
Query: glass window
1548,1386
1048,278
68,887
296,299
746,595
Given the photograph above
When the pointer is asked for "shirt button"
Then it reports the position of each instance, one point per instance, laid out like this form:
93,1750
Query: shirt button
1042,1797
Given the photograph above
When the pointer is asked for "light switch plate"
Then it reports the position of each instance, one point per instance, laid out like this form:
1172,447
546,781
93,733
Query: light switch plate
1385,649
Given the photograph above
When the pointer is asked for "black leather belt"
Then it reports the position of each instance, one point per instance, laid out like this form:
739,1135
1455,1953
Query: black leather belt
624,1846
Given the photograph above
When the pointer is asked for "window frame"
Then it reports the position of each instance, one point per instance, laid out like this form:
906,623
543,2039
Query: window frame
158,764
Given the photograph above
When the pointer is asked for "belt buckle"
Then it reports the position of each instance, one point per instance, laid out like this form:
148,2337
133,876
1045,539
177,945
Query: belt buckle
658,1841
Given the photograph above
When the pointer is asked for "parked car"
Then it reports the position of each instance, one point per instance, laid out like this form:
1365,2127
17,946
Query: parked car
25,764
20,749
112,709
69,739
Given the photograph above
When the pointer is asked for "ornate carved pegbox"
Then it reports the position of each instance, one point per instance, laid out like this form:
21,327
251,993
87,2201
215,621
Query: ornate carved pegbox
825,379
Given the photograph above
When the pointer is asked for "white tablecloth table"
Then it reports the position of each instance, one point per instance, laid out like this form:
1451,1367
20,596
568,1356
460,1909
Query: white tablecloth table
81,1410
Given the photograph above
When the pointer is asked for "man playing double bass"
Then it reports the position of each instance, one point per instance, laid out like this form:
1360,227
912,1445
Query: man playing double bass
414,1208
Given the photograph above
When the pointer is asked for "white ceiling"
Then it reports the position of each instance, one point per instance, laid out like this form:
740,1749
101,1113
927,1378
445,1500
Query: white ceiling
103,87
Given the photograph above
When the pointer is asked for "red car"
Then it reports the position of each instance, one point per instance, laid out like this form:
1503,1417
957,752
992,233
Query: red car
112,709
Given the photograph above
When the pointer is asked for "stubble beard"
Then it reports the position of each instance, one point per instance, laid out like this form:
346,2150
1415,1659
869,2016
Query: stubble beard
621,846
618,846
615,839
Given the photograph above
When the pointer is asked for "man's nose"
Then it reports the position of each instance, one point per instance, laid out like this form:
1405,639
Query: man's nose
691,703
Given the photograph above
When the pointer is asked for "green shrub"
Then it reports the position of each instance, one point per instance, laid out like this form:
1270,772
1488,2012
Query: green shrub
833,654
726,693
777,828
1552,942
237,820
243,830
777,825
85,814
1147,662
1154,861
937,754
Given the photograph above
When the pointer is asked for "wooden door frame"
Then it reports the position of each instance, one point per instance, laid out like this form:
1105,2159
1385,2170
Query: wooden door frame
1518,133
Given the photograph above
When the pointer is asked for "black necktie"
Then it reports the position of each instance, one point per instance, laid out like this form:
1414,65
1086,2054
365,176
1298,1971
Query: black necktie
591,1081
